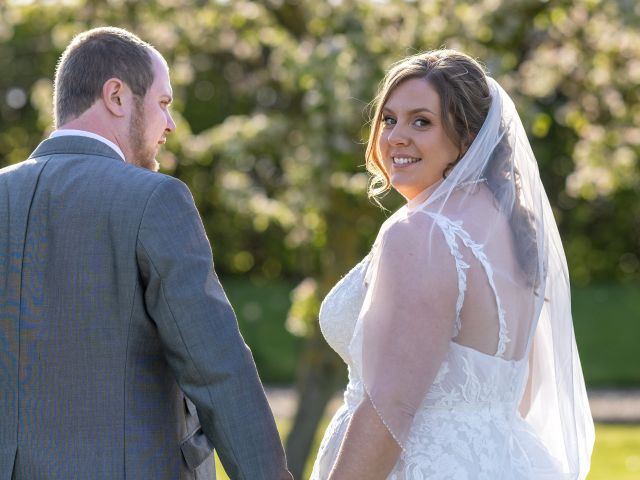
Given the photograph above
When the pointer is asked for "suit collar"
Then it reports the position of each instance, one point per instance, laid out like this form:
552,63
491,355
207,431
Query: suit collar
61,132
70,144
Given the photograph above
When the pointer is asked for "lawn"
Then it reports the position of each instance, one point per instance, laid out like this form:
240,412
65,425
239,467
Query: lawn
616,453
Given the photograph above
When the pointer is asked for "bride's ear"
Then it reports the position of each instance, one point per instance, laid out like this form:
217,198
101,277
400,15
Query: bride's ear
466,144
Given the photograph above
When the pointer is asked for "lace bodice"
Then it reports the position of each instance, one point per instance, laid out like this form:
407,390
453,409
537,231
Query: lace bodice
468,425
466,375
340,308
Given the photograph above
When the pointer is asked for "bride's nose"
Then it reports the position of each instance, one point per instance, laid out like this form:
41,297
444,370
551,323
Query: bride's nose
398,136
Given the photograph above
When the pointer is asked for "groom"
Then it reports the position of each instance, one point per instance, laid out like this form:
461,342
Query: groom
120,356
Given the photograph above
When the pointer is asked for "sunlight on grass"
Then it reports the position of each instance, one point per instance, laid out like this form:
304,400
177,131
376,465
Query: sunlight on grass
616,454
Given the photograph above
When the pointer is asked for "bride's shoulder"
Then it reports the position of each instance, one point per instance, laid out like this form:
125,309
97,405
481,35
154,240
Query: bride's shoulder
414,251
413,233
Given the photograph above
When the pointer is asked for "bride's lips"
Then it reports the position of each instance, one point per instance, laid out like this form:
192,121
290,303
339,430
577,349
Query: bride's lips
404,161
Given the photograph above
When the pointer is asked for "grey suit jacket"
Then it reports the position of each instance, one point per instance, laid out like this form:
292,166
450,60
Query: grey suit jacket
110,309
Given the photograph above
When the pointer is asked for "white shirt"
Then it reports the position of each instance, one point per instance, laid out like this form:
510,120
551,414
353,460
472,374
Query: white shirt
83,133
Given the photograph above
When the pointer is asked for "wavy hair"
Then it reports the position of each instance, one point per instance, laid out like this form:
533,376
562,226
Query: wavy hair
465,99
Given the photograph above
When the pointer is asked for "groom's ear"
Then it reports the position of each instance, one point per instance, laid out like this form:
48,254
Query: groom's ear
117,97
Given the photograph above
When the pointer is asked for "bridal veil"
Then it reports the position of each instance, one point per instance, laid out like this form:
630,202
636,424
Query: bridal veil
489,222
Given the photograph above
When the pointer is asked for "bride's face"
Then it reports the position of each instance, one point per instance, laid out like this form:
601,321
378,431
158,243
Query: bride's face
415,149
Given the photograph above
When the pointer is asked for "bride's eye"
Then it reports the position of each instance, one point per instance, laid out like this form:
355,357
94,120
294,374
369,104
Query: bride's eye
388,121
422,122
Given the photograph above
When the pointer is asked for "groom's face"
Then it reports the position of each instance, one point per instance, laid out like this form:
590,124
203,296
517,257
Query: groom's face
150,119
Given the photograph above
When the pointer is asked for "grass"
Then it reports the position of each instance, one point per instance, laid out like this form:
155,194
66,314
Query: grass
616,454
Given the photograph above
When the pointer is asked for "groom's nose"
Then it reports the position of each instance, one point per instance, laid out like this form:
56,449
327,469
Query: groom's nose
171,125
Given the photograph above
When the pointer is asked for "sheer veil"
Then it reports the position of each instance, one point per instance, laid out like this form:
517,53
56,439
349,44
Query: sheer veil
477,260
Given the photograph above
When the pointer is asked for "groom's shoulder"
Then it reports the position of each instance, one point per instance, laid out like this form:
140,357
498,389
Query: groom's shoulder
141,192
140,181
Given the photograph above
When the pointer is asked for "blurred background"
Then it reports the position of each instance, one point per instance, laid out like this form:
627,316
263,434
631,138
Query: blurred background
271,103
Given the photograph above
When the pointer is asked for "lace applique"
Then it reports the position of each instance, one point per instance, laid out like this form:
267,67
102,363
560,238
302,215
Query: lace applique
452,229
461,265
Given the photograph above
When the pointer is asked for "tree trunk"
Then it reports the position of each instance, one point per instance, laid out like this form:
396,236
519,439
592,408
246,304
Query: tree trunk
319,380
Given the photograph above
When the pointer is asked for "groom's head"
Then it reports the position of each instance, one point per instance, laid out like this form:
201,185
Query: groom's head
111,82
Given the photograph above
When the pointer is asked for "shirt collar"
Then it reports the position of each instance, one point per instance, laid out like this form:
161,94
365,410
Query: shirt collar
83,133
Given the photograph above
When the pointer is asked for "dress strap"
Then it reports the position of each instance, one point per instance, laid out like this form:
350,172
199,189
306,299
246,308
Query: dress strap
448,231
453,230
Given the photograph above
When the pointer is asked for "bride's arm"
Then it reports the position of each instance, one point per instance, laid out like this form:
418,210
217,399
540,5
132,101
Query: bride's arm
368,450
525,402
404,328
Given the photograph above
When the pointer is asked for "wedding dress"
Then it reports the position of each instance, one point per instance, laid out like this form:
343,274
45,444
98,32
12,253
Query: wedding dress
506,398
468,426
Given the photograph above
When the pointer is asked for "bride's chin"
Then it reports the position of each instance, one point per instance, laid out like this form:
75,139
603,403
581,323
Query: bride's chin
408,195
403,188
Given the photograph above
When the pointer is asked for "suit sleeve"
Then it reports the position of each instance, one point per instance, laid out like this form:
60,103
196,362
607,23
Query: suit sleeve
200,336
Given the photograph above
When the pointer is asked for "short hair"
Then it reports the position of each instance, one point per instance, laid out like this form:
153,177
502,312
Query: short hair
91,59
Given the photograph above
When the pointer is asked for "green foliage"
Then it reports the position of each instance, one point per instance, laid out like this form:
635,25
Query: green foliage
304,309
271,99
261,309
271,102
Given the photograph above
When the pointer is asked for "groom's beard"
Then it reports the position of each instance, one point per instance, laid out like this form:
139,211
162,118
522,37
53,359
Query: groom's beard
143,155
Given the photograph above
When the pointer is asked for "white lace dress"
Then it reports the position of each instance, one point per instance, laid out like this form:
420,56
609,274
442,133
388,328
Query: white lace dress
468,426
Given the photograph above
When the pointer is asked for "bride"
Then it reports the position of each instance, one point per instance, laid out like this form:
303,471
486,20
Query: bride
456,327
